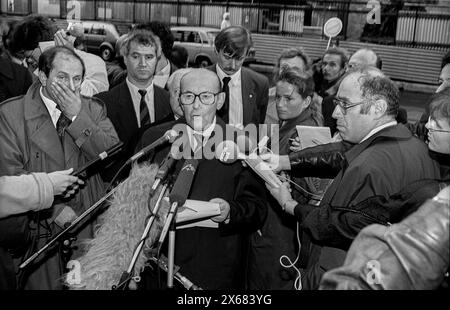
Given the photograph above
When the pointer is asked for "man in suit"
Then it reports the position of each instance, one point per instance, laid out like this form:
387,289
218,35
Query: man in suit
213,254
136,103
52,128
14,79
247,92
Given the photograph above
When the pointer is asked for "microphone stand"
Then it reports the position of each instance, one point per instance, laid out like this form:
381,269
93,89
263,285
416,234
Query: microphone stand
171,247
126,275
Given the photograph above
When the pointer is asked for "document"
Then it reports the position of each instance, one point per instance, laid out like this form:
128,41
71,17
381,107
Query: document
197,213
312,135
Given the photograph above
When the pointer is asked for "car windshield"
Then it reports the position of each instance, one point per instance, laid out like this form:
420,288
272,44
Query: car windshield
211,36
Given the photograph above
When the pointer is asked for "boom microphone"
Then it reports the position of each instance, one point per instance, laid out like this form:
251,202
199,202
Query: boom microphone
166,166
81,172
169,136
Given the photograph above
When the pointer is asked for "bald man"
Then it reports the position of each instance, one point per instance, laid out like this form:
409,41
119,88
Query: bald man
213,253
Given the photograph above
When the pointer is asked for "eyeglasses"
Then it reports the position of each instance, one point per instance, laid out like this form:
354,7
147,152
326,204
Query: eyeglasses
345,105
430,129
207,98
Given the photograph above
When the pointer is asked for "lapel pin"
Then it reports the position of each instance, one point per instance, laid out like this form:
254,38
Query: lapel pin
251,96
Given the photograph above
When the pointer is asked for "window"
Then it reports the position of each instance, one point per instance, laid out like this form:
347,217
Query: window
98,31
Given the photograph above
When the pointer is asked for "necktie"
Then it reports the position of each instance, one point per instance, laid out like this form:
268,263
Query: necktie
223,113
199,140
145,115
61,125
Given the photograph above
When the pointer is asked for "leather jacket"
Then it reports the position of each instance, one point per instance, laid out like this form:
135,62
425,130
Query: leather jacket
322,161
413,254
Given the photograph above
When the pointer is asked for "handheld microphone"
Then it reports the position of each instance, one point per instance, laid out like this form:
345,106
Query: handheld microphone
228,152
82,172
180,192
169,136
166,166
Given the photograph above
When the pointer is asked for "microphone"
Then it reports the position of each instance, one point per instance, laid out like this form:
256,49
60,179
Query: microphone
169,136
166,166
82,172
228,152
180,192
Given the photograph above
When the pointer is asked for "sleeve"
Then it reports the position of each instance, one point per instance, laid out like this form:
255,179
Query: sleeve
20,194
96,78
248,210
12,154
92,130
322,161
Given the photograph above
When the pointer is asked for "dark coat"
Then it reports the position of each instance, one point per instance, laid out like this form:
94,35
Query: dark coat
14,79
30,143
382,165
216,258
255,95
120,109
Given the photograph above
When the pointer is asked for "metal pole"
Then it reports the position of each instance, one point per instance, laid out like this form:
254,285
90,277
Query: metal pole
415,25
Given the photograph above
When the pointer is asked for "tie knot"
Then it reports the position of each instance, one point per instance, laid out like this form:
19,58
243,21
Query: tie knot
142,92
226,80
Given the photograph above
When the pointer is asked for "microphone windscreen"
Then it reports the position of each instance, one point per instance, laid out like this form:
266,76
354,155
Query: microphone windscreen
183,184
227,151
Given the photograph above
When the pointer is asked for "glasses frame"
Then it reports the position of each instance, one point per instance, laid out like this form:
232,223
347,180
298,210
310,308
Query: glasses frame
339,102
436,130
199,98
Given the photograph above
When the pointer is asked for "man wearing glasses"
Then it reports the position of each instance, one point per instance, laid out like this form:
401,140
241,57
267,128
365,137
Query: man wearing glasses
385,157
246,92
212,253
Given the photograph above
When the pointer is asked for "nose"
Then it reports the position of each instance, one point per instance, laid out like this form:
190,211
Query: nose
71,85
142,61
196,104
233,64
337,112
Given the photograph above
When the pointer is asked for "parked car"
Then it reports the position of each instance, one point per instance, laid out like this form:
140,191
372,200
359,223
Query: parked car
199,42
100,38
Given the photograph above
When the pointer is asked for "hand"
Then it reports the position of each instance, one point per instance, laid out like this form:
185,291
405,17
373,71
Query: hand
65,183
63,39
276,162
282,193
224,210
68,101
295,144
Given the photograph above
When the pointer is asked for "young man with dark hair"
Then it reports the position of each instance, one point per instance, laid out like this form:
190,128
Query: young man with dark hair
247,92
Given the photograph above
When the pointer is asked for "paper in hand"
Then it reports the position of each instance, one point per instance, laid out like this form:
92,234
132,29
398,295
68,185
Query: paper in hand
311,136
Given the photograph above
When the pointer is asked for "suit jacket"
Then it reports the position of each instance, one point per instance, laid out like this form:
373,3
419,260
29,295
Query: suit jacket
255,95
215,258
14,79
120,109
30,143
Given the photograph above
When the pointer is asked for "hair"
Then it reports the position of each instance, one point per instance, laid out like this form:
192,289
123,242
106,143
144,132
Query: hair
26,34
142,37
292,52
304,84
378,62
374,85
48,56
162,31
179,56
440,105
342,52
233,40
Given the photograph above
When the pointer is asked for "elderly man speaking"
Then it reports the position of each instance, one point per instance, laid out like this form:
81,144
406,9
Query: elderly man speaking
385,157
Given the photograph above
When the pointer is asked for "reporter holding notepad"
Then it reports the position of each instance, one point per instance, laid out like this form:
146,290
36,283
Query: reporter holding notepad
294,105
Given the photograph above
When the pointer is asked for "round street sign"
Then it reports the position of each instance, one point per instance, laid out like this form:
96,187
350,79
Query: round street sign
332,27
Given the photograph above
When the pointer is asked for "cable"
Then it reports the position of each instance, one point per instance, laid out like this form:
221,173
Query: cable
298,279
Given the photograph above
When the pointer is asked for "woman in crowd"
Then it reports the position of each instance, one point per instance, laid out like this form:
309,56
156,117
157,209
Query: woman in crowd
278,236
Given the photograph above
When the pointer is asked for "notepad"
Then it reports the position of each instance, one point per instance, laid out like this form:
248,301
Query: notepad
197,213
312,135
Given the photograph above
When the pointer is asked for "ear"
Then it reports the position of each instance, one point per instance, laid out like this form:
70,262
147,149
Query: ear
220,100
308,101
42,78
380,107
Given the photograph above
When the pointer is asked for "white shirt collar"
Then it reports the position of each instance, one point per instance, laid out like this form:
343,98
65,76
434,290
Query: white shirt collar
136,89
51,107
205,133
377,129
235,78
